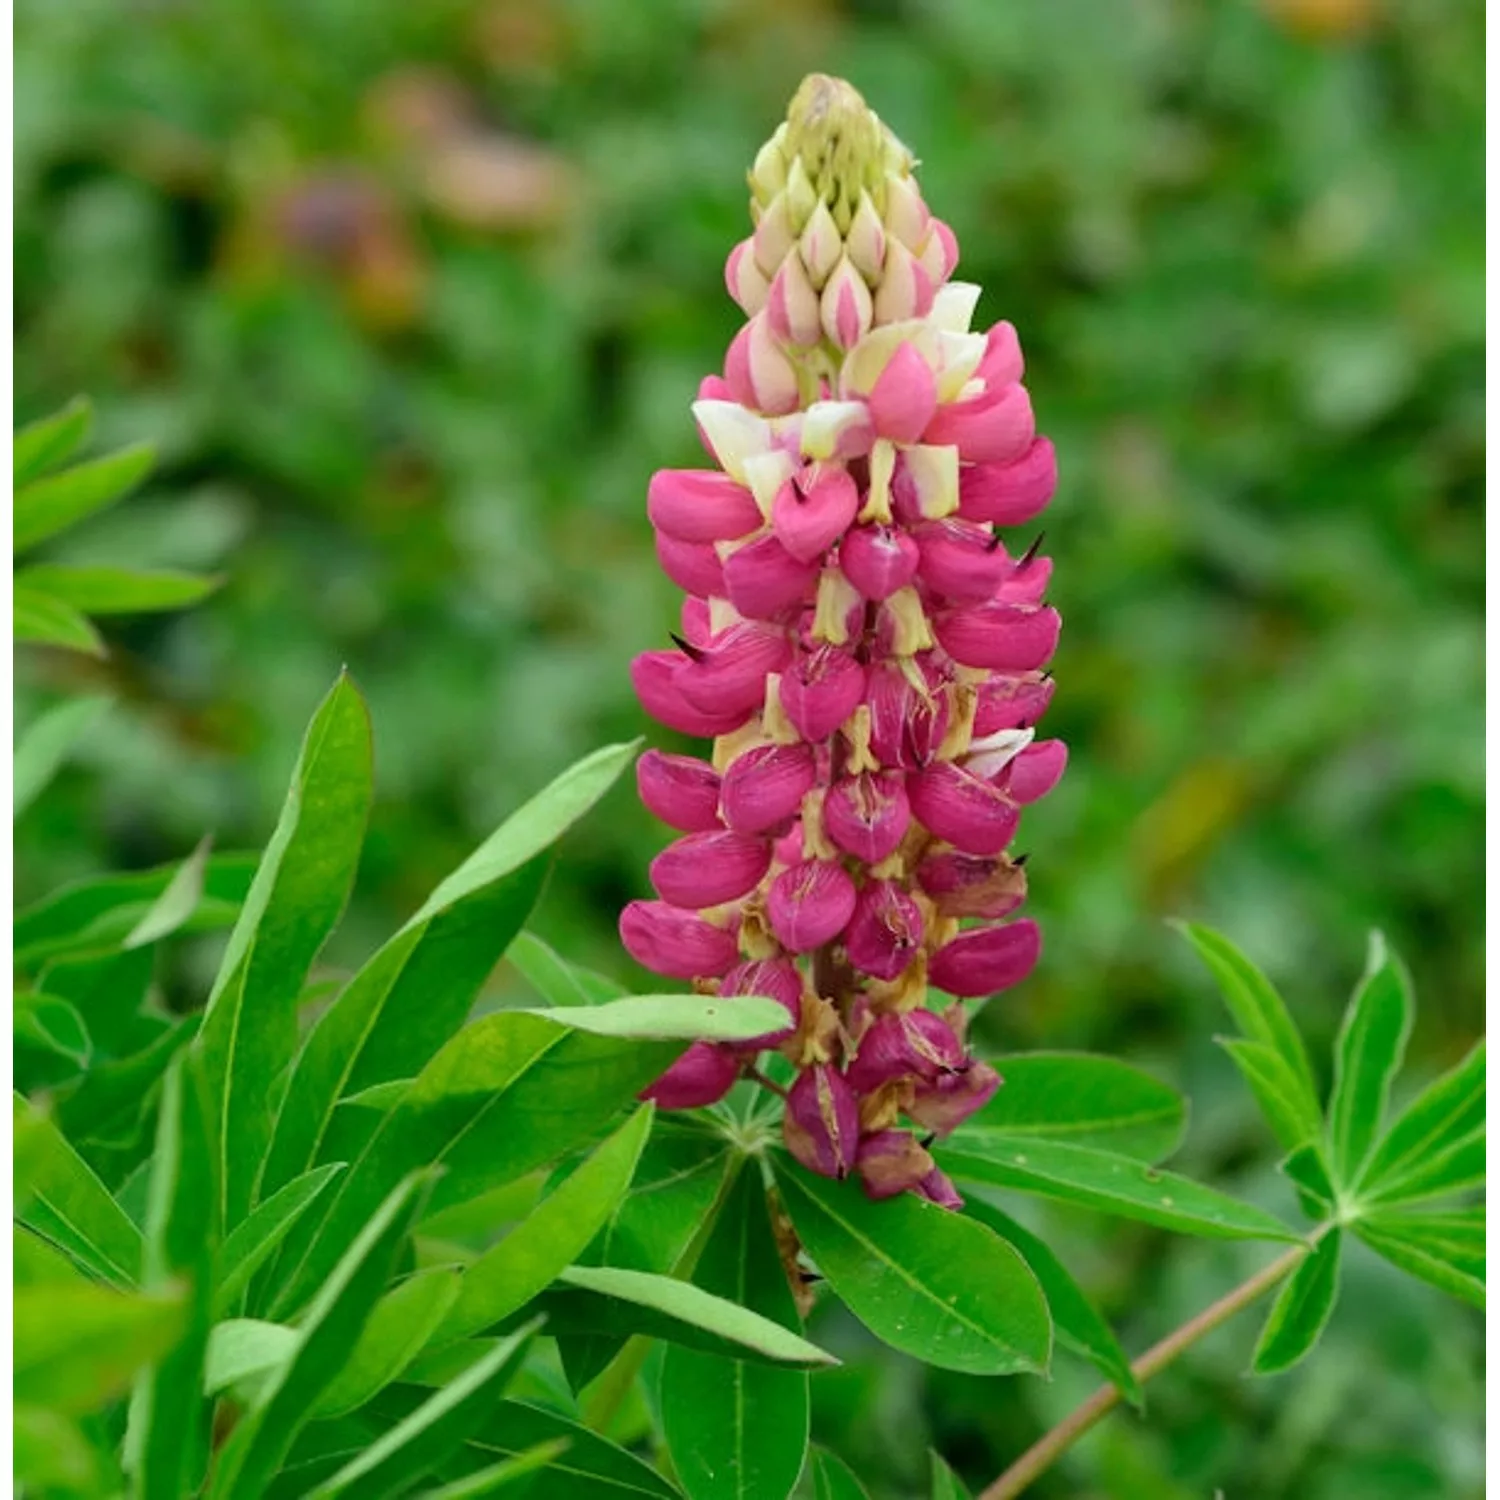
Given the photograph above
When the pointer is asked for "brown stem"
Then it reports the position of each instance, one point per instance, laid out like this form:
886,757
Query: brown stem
764,1080
1052,1445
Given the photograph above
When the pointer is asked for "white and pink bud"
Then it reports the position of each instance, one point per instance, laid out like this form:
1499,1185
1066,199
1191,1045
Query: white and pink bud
745,280
792,311
846,308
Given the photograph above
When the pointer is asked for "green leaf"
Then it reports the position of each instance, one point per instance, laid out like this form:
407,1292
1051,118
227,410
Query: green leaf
50,441
325,1338
255,1238
507,1276
679,1308
402,1322
116,591
592,1468
1301,1310
168,1428
682,1018
1448,1109
1259,1012
1308,1173
946,1485
44,507
1076,1322
35,1262
71,1207
48,743
1075,1096
551,976
508,1093
1459,1167
1277,1091
249,1032
496,1477
1371,1044
441,1425
737,1430
177,903
242,1349
53,1456
929,1282
76,1344
109,1101
1452,1268
49,622
1457,1234
48,1021
1112,1184
833,1479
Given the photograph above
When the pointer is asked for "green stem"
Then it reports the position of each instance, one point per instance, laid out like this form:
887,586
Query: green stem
1051,1446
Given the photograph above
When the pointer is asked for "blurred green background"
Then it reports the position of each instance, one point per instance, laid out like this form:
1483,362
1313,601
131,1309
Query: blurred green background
413,297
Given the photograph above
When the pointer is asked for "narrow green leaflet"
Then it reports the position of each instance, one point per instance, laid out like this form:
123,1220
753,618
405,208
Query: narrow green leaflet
108,1101
35,1262
48,743
77,1344
1457,1234
928,1282
414,994
401,1323
508,1093
51,1023
1459,1167
548,973
441,1425
833,1479
325,1338
675,1017
168,1428
1075,1096
946,1485
1308,1173
1258,1011
254,1239
1301,1310
1452,1268
50,441
177,903
1371,1044
1448,1109
46,506
1076,1322
116,591
496,1477
71,1207
242,1349
1281,1098
249,1032
738,1431
676,1310
507,1276
40,618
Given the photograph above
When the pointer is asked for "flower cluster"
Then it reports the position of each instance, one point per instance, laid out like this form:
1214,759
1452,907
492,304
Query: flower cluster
865,652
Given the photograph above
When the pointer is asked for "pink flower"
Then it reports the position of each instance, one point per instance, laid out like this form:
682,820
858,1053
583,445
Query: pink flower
681,791
821,1124
702,1075
892,1162
765,786
810,904
987,959
676,943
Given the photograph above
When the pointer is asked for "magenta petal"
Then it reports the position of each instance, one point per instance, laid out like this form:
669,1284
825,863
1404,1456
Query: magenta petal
730,675
1036,770
963,810
708,869
810,904
821,1123
892,1162
937,1187
1002,364
904,396
702,1075
1025,582
676,943
700,505
1002,637
765,786
655,677
878,560
945,1103
987,959
765,582
996,427
968,885
775,978
812,510
1009,494
820,690
961,561
919,1044
697,621
885,931
692,566
906,727
682,791
867,815
1011,702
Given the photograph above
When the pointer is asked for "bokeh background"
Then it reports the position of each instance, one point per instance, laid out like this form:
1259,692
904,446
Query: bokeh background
412,299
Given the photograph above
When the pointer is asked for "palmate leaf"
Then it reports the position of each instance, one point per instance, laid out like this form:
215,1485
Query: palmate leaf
249,1031
48,742
1455,1168
1445,1250
1301,1310
928,1282
738,1432
1371,1044
1282,1100
1449,1109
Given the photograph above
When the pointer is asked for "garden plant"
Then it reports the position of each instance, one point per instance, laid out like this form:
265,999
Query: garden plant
368,1237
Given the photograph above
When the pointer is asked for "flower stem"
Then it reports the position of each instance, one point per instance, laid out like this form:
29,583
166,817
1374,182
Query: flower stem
1051,1446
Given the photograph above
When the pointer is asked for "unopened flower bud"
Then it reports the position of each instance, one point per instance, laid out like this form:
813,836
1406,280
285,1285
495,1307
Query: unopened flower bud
764,787
680,790
709,869
791,303
846,307
701,1076
986,960
810,904
936,1187
676,943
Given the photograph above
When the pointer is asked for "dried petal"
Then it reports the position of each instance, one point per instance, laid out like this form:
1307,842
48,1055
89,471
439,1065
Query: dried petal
892,1162
968,885
945,1103
821,1123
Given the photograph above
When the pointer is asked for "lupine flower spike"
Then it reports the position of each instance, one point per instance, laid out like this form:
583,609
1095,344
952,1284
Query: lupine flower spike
865,651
